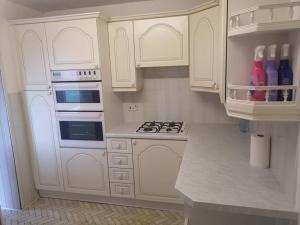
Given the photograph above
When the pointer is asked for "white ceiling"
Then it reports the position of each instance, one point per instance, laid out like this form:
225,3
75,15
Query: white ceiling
51,5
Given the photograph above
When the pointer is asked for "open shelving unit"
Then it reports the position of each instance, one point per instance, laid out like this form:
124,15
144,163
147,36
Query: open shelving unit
249,27
276,17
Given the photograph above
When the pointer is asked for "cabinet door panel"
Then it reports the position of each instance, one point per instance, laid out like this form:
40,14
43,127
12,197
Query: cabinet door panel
204,48
32,48
122,54
93,179
156,166
73,44
46,158
161,42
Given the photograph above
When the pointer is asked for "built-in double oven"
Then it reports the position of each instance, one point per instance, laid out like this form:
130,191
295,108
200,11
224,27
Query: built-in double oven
79,108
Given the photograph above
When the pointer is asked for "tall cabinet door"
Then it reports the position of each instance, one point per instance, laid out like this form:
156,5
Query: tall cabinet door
204,49
33,54
161,42
73,44
156,166
122,59
45,152
85,171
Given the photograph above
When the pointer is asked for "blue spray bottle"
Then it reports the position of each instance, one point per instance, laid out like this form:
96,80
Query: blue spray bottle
285,73
272,74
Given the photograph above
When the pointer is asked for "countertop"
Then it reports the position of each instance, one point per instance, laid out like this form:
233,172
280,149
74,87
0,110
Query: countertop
128,130
215,172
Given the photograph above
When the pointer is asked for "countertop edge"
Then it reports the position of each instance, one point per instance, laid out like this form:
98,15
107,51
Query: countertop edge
293,215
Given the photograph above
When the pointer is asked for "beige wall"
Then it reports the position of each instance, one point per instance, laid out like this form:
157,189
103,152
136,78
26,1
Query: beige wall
8,64
167,97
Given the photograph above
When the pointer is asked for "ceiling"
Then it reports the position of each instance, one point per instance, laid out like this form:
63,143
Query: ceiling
51,5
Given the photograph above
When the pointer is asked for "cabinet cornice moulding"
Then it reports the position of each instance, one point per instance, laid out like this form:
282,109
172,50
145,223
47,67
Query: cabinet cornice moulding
59,18
201,7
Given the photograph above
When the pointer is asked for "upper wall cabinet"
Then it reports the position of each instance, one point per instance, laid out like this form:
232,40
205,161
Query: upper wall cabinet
161,42
33,54
125,76
204,50
73,44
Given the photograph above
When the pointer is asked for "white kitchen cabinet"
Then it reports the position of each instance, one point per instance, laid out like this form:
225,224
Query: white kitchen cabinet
85,171
73,44
156,166
125,76
33,55
205,50
45,152
161,42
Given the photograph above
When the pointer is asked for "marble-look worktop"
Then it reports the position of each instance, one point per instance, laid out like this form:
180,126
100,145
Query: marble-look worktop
128,130
215,172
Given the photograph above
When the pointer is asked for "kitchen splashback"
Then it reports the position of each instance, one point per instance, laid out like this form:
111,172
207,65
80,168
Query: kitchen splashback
284,152
167,97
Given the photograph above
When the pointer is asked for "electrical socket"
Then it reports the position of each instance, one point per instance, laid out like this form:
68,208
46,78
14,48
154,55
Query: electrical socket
132,107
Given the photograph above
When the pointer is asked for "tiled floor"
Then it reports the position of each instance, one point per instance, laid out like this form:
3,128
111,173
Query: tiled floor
65,212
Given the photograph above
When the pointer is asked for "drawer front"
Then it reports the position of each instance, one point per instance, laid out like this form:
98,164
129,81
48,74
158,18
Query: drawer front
122,190
116,160
119,145
121,175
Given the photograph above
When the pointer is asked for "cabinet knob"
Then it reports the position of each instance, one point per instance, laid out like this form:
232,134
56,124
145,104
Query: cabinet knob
134,142
49,87
50,93
120,177
104,154
118,146
215,85
119,162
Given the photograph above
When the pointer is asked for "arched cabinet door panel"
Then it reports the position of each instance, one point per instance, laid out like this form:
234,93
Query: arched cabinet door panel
85,171
73,44
204,49
156,166
121,42
33,56
44,145
161,42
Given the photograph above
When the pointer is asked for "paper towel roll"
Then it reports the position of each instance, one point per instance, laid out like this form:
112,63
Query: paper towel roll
260,151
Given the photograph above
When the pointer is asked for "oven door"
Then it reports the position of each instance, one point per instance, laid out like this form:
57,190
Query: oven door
78,96
81,129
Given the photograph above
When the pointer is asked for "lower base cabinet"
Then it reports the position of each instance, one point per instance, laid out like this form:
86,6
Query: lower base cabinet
85,171
156,166
45,153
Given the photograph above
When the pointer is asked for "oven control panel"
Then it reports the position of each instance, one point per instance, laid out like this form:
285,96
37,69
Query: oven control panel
75,75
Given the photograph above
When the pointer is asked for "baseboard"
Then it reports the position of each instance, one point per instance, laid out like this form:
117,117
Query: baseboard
111,200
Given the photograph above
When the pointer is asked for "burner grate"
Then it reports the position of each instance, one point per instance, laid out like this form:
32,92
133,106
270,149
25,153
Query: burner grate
161,127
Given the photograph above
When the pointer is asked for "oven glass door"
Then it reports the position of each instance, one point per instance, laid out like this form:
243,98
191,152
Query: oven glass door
84,96
81,129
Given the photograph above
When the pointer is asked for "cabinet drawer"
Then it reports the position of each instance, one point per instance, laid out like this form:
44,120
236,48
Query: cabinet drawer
121,175
122,190
119,145
118,160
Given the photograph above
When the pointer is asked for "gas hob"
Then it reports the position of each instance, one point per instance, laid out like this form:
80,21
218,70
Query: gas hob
162,127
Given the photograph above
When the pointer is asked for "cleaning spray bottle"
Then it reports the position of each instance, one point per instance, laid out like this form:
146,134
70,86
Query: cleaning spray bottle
258,76
272,74
285,73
